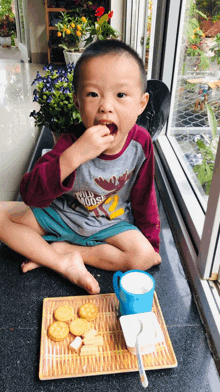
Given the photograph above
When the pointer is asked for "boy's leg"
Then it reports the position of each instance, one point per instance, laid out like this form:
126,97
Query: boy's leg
124,251
20,230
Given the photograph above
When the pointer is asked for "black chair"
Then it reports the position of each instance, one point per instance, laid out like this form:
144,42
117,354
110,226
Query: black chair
156,113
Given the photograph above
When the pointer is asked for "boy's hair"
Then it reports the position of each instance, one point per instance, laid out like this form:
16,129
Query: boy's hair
105,47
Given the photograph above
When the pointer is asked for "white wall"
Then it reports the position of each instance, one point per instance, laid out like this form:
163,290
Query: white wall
37,30
117,21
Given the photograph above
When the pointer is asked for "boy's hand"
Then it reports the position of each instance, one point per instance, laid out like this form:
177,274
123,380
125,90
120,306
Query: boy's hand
93,142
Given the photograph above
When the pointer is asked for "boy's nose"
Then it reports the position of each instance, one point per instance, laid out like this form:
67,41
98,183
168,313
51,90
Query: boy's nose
105,106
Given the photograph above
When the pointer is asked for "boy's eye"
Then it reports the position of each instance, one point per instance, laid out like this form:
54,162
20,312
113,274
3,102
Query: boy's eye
121,95
92,94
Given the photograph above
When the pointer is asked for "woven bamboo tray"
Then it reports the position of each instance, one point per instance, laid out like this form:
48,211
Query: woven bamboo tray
58,361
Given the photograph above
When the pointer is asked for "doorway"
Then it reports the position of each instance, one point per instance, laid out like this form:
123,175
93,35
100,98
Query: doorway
13,26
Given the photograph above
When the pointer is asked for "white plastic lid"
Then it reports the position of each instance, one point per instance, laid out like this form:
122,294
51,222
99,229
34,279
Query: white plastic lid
131,327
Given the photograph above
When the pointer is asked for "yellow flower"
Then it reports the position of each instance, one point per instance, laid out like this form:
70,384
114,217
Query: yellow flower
59,34
68,31
78,34
72,25
203,35
78,27
83,19
64,29
193,37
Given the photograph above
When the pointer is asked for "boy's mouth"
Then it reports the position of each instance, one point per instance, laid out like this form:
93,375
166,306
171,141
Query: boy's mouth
111,126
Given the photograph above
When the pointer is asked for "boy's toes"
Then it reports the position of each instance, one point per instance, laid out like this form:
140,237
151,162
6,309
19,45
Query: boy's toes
92,287
89,283
29,265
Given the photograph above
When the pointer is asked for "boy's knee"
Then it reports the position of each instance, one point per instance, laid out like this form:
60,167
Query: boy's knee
143,259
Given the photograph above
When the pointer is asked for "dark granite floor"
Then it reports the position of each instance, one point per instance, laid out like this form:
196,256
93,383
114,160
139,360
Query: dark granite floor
21,311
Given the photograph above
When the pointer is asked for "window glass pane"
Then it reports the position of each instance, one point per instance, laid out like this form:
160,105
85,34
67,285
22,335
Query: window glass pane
21,21
196,104
149,36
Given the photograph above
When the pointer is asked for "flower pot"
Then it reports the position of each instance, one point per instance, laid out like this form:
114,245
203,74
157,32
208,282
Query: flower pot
56,136
5,41
71,57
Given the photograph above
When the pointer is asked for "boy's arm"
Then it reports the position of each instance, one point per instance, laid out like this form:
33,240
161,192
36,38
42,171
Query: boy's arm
54,173
43,184
144,202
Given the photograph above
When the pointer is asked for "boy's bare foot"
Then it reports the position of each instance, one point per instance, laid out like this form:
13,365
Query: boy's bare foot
60,247
71,267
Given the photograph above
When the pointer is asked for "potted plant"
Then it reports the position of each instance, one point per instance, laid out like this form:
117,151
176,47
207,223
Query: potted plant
76,32
71,30
54,94
197,59
7,29
101,29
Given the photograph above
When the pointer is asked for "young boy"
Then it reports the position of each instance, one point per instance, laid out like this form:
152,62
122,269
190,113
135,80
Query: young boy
82,198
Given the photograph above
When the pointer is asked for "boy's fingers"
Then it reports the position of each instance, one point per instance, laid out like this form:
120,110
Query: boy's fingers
104,129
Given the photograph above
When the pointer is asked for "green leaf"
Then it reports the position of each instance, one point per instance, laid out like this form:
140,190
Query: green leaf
212,120
201,13
208,186
103,19
209,173
196,168
201,145
201,174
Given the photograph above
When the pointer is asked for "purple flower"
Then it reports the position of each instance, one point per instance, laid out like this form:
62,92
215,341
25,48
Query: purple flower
49,99
33,114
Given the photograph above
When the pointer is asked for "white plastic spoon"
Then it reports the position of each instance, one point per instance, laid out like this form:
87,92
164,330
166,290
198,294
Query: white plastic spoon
142,372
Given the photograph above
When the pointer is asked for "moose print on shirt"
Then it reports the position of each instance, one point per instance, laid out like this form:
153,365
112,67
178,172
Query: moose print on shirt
97,203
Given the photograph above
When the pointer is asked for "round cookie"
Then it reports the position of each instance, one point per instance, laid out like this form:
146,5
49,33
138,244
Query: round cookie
64,313
79,326
58,331
88,311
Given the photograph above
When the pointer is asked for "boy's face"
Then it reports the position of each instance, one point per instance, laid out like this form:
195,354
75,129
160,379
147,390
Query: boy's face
110,91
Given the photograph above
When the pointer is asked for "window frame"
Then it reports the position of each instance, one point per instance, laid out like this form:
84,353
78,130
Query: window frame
190,224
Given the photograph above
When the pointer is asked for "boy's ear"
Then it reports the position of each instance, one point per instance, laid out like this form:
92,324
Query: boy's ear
143,103
75,100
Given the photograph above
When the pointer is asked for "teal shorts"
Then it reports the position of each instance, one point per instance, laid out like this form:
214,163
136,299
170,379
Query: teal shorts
57,229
